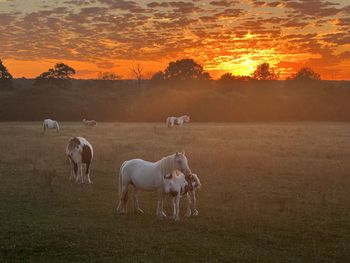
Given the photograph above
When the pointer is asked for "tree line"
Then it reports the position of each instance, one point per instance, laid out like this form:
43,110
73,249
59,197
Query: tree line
179,70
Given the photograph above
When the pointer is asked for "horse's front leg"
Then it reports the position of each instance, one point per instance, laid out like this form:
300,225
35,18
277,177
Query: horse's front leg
72,175
177,207
188,209
78,178
135,196
160,209
195,211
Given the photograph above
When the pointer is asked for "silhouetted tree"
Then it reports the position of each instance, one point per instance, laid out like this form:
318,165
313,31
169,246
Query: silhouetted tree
108,76
306,74
185,69
60,75
137,72
5,77
227,77
264,72
157,77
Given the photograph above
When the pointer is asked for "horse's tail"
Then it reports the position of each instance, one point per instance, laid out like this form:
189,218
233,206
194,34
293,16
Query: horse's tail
44,126
121,178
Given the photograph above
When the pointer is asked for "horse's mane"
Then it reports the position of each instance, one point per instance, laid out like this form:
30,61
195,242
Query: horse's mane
73,143
167,164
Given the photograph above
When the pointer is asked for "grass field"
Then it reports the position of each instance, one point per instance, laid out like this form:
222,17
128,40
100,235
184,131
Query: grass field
271,193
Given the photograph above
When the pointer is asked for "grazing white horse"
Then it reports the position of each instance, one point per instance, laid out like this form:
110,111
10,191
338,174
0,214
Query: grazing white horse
90,123
50,124
177,184
148,176
79,152
171,121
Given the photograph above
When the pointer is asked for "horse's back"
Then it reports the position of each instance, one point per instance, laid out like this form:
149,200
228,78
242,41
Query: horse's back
142,174
137,164
51,124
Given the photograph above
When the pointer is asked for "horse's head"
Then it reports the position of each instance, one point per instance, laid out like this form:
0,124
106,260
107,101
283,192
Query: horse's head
181,163
187,118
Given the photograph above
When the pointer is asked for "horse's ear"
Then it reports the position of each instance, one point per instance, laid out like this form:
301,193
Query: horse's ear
183,152
177,153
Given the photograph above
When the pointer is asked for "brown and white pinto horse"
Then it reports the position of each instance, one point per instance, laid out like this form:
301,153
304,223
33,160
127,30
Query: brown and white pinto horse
177,184
79,151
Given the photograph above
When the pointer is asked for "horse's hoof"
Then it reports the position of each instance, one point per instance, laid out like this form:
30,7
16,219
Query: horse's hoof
195,213
188,214
161,216
139,212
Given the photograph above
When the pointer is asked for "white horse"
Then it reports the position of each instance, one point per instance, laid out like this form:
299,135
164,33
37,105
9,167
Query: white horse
177,184
171,121
79,152
50,124
90,123
148,176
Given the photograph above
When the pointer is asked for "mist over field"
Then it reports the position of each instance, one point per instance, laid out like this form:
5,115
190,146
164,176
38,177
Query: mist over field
209,100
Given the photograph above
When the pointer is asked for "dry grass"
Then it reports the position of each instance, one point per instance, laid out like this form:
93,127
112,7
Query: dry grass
271,193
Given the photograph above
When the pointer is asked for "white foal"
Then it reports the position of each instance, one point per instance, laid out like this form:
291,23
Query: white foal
177,184
79,152
148,176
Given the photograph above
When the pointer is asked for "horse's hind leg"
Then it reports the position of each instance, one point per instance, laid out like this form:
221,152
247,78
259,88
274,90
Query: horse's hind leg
87,173
135,196
123,199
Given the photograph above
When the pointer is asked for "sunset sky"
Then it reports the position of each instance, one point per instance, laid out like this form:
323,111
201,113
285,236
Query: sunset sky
224,36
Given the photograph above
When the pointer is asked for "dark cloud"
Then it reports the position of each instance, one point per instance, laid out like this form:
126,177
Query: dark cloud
317,8
223,3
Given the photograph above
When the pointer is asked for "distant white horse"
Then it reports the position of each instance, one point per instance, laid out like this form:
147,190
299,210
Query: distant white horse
177,184
50,124
79,151
171,121
148,176
89,123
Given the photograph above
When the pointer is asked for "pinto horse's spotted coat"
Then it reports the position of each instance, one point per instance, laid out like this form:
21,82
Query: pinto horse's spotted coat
177,184
79,151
